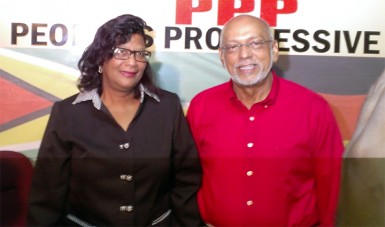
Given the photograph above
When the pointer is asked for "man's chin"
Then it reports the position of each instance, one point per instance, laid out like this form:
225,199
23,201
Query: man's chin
244,83
250,80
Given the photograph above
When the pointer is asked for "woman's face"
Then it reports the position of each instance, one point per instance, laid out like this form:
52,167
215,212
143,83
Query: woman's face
123,75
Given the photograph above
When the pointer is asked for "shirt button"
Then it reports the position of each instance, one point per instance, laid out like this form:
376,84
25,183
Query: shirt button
252,118
249,203
127,208
249,173
250,145
126,177
266,106
124,146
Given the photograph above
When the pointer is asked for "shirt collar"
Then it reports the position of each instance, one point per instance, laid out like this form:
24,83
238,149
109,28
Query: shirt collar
93,95
271,97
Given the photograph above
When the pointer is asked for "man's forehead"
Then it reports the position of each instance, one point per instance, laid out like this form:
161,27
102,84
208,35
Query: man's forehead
245,23
245,33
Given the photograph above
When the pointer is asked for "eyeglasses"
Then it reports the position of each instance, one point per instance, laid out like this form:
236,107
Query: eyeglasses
254,45
124,54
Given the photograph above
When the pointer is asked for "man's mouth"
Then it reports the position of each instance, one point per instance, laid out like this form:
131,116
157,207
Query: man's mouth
247,67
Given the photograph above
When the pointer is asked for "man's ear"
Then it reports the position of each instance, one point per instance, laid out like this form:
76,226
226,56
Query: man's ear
275,51
222,57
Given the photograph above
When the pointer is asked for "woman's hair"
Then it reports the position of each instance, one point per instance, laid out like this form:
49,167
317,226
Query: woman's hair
114,32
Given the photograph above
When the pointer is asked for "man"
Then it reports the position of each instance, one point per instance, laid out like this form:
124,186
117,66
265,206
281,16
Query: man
270,149
362,198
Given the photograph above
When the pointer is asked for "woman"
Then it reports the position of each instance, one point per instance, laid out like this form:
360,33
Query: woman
120,152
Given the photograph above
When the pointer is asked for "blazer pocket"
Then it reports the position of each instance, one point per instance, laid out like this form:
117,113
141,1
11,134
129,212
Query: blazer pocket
161,218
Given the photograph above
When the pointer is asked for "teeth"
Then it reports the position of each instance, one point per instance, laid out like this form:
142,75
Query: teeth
246,67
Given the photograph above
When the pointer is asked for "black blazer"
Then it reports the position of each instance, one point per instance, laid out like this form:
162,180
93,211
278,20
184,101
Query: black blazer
89,171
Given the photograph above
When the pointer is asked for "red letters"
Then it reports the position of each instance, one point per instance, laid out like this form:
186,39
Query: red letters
226,9
184,10
270,9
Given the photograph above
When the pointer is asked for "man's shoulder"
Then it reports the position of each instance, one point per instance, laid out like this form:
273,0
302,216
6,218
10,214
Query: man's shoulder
292,87
302,96
287,83
214,91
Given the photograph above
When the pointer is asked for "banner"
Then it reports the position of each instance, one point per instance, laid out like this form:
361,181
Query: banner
334,47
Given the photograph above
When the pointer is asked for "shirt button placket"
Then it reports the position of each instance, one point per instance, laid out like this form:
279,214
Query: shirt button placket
127,178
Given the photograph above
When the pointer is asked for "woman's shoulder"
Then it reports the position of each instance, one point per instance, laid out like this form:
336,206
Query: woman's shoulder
67,101
165,95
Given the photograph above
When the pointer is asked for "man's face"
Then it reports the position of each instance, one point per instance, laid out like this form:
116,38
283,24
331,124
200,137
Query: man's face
248,52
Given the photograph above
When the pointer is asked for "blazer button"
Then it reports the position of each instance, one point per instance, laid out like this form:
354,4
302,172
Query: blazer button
127,208
124,146
126,177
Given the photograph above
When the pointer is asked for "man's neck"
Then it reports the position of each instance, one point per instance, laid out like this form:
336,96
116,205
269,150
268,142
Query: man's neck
249,95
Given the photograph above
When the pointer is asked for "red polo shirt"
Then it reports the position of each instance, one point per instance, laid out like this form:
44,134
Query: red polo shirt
277,164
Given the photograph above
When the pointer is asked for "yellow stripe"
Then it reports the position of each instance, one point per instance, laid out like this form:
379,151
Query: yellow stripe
31,131
56,83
